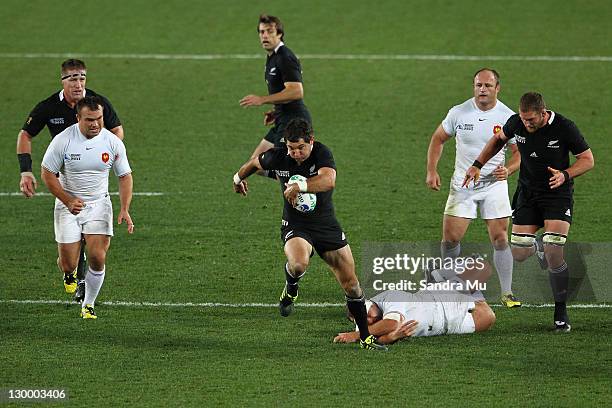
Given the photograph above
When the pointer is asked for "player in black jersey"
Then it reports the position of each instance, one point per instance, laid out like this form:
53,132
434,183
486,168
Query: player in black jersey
283,77
58,112
318,230
544,195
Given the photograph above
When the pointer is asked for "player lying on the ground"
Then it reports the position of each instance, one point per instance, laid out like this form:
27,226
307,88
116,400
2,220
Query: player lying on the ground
394,315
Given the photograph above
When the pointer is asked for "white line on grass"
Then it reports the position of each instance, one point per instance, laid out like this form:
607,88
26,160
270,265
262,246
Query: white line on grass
44,194
400,57
251,305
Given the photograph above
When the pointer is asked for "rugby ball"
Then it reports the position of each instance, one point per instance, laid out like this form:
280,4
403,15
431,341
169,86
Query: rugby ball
306,202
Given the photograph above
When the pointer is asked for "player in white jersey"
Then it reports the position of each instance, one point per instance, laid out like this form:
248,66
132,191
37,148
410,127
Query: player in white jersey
395,314
83,155
473,123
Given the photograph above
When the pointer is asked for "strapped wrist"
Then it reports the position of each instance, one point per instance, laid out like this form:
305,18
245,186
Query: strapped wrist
566,175
237,179
477,164
25,162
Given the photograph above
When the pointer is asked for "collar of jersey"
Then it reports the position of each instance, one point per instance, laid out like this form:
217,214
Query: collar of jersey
280,44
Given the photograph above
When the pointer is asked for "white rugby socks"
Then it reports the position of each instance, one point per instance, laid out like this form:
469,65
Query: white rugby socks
503,261
93,283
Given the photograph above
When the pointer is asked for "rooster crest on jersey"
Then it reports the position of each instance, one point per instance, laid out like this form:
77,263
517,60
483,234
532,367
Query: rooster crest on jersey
306,202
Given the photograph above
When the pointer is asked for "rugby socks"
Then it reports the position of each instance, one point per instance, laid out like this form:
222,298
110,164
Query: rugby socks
503,264
93,283
559,282
450,249
82,264
292,281
356,307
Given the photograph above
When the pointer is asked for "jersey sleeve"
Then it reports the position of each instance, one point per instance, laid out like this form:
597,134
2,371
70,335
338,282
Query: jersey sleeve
36,121
121,165
511,126
449,124
271,159
290,67
575,141
53,160
326,159
111,119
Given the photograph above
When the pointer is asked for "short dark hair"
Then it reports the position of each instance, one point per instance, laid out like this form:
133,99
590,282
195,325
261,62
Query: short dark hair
298,128
71,64
267,19
532,102
90,102
494,72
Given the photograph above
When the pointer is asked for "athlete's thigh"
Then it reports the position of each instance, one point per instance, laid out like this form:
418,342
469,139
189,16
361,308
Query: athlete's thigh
497,228
298,250
454,228
97,242
557,226
341,261
525,229
69,252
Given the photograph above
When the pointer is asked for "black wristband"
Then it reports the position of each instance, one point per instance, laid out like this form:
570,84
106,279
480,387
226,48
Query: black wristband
477,164
567,176
25,162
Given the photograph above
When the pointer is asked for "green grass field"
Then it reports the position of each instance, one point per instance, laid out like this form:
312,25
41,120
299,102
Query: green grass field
201,243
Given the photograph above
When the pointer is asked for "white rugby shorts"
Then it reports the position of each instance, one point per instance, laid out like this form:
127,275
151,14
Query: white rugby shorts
95,218
459,320
490,198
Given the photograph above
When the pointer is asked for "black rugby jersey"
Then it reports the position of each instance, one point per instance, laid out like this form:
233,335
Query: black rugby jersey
283,66
278,160
55,113
549,146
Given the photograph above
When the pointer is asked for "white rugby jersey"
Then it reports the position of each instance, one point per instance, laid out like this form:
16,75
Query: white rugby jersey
473,128
420,306
84,164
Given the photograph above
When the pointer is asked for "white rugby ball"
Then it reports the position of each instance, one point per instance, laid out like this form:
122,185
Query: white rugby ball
306,202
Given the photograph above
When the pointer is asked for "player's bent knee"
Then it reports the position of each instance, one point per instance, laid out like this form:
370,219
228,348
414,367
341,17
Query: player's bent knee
500,242
484,317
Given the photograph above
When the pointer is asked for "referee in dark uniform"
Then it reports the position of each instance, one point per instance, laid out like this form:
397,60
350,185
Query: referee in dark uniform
544,195
58,112
318,230
283,76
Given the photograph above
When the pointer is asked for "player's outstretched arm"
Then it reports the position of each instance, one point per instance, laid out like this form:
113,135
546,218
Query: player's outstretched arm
126,186
434,152
28,183
239,182
493,146
74,204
